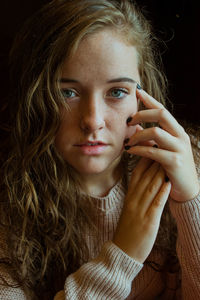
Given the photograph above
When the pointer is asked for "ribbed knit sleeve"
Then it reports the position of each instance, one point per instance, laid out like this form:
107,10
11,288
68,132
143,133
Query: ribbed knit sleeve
9,293
109,276
187,216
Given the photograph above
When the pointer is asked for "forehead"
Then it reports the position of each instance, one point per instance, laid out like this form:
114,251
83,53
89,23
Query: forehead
102,53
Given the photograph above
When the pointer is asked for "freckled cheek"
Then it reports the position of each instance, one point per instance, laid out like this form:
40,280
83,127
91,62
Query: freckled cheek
64,134
119,125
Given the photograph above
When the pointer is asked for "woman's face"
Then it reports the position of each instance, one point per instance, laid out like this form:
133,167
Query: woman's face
99,85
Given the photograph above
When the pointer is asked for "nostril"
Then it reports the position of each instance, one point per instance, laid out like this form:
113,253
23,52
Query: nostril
92,124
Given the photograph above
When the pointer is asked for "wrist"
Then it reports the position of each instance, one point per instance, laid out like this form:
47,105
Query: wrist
187,199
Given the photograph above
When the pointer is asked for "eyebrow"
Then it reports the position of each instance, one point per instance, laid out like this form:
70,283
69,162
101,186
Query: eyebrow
120,79
66,80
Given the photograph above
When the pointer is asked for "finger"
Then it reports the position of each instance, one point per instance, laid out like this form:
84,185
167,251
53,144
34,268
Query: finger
142,143
148,100
138,187
160,136
161,116
158,204
152,190
138,128
150,143
143,164
156,113
164,157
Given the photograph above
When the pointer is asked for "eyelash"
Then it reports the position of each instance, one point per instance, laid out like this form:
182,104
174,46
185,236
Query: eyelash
67,90
124,91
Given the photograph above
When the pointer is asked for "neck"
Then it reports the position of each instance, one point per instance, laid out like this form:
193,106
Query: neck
99,185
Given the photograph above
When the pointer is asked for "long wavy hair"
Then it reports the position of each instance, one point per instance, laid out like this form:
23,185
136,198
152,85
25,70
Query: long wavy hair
41,212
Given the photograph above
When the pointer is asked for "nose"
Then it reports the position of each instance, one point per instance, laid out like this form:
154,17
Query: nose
92,114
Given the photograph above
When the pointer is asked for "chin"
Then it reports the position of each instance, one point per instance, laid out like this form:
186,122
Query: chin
91,168
95,165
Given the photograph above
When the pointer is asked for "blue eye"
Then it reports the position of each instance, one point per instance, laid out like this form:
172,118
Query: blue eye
118,93
67,93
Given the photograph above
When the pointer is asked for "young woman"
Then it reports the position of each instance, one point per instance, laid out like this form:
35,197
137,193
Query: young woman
84,181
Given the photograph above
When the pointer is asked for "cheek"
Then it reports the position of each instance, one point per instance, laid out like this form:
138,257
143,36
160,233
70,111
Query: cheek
63,134
59,138
118,121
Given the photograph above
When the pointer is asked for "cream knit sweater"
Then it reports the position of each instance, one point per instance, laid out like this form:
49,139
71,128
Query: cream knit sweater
111,274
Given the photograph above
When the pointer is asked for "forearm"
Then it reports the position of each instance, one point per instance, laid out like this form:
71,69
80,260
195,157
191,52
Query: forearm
8,292
109,276
187,216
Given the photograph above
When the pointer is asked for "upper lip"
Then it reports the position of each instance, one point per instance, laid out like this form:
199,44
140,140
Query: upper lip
91,142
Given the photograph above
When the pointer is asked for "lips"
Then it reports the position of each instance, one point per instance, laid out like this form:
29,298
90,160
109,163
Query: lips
92,148
91,143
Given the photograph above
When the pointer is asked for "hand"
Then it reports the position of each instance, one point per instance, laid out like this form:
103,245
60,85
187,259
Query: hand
60,295
143,206
174,152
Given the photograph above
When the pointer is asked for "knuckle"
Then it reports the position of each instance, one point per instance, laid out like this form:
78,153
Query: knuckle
150,151
163,113
161,105
155,130
182,128
186,137
152,188
159,201
177,160
184,134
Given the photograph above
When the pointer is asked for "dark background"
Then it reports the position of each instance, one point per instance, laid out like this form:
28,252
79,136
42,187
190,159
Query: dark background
177,23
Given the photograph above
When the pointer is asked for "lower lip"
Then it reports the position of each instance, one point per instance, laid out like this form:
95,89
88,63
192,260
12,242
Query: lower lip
92,150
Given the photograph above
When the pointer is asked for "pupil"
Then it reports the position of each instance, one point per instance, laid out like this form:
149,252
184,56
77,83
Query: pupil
67,93
116,93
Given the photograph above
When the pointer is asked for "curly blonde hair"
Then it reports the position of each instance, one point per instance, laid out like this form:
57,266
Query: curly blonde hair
41,213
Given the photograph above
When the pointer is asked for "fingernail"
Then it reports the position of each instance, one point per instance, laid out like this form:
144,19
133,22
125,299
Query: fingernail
129,120
166,179
127,147
155,146
126,141
138,86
